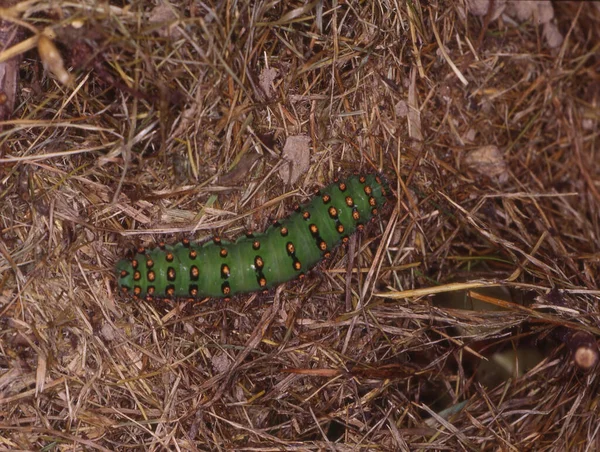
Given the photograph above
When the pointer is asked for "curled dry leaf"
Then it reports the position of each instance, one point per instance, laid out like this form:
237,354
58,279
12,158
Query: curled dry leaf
266,79
522,11
540,12
220,362
488,161
481,7
52,60
108,332
165,15
544,13
553,37
401,109
296,153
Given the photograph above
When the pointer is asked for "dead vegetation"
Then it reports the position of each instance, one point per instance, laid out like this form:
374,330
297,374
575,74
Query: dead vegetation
171,122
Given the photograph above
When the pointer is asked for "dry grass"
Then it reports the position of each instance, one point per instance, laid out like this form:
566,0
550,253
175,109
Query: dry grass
132,151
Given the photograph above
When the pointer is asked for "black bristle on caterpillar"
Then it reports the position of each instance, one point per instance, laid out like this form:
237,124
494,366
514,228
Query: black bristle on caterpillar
256,262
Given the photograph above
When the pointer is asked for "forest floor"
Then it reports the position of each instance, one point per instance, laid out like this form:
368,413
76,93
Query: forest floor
465,317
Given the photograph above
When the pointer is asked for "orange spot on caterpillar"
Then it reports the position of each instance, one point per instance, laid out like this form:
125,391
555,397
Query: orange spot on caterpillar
225,288
225,272
171,274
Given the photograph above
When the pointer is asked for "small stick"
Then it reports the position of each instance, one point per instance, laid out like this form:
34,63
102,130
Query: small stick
582,344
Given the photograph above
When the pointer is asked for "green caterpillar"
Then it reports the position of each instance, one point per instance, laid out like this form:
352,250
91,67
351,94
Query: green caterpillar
285,251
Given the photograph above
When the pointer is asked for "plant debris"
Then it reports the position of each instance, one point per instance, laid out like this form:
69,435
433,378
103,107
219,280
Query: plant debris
467,317
296,157
488,161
